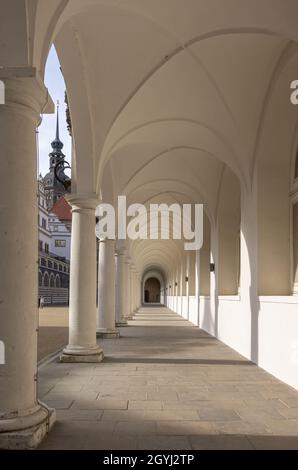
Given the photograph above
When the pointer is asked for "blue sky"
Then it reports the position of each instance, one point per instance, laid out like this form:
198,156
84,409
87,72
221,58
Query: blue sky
56,86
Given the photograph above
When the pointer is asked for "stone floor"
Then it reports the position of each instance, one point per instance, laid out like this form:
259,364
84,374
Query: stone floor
165,384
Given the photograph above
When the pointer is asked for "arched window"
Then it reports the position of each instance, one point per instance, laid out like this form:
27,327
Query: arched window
40,279
46,280
52,280
57,281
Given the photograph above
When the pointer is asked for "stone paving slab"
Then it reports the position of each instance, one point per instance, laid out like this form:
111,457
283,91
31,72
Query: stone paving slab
166,384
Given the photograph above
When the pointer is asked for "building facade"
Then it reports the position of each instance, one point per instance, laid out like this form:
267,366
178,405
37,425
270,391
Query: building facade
54,231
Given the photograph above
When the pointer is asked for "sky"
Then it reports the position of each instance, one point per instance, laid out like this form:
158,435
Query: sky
55,83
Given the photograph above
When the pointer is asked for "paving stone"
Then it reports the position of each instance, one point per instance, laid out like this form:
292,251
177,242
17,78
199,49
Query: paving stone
186,428
101,404
218,414
242,428
111,442
125,395
145,405
274,442
122,415
220,443
59,403
163,442
163,396
135,428
168,385
79,415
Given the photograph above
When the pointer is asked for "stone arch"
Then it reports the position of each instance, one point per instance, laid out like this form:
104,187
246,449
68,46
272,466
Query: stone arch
57,281
52,280
46,279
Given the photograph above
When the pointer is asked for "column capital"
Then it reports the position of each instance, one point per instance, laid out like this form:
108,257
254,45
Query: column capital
83,202
25,92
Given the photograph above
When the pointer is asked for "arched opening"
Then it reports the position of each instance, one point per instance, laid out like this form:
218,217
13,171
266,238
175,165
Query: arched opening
57,281
46,279
152,290
52,280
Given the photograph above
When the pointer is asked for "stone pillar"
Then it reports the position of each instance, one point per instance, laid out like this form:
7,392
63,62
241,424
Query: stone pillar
82,345
187,283
177,291
138,303
120,289
106,290
24,421
135,290
131,308
128,312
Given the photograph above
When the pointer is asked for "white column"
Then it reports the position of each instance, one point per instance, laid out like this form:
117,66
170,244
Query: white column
138,291
106,290
121,289
128,289
135,290
131,308
24,421
177,291
187,283
182,287
82,345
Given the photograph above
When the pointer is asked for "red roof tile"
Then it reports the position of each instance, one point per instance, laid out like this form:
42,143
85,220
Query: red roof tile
62,209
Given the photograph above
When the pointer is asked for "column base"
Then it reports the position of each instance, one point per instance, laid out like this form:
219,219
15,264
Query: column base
77,354
28,431
122,322
107,333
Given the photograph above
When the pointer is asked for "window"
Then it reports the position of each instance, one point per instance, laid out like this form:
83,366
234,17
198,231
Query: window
46,247
46,279
40,245
57,281
44,223
52,280
60,243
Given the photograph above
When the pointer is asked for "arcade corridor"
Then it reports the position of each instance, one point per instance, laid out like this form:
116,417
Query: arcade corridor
166,384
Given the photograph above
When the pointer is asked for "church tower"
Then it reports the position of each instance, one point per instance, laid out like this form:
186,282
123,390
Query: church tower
53,188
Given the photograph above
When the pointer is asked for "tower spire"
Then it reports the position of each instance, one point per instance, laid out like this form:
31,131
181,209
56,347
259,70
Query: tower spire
57,145
57,123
